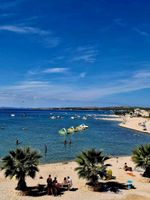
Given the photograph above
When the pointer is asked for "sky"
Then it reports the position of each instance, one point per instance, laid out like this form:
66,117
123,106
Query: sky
63,53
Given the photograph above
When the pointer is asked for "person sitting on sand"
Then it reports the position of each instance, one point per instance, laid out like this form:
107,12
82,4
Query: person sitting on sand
69,180
65,183
126,168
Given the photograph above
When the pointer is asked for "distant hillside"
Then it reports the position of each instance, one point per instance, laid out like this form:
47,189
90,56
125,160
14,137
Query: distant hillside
113,108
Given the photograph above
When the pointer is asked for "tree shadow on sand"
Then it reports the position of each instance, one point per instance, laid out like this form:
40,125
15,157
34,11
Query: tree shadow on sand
41,190
111,186
38,190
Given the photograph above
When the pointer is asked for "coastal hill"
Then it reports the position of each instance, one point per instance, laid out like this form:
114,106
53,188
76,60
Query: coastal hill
113,108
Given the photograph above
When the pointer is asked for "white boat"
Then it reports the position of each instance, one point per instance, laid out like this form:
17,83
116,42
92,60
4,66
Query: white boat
12,115
84,118
75,117
53,117
83,126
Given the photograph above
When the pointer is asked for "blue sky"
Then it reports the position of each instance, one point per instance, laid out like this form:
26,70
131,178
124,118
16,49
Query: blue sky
74,53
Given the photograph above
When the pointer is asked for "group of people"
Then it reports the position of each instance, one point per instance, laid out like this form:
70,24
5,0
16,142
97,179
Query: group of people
54,188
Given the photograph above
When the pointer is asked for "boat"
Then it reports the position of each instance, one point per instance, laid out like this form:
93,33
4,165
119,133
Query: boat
62,131
75,117
70,130
78,128
12,115
84,118
52,117
72,117
83,126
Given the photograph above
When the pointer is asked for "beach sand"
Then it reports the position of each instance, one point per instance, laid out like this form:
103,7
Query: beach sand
83,192
136,123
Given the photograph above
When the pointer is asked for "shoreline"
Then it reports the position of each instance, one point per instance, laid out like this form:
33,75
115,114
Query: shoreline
136,123
140,124
61,170
133,129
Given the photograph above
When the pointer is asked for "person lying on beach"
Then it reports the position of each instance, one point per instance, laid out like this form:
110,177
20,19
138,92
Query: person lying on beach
126,168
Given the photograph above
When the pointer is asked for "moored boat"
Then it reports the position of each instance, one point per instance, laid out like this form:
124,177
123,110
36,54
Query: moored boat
70,130
83,126
62,131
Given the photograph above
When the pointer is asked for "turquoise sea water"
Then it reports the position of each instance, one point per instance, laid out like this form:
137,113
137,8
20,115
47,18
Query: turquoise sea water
35,129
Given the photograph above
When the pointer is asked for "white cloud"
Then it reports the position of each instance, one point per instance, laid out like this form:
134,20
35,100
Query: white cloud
86,54
55,70
52,70
142,74
46,37
141,32
32,91
23,29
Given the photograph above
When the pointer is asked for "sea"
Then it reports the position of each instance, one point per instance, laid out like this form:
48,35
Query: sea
39,129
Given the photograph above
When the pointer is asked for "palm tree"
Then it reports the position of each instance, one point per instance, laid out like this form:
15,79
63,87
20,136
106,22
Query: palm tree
91,165
141,156
20,163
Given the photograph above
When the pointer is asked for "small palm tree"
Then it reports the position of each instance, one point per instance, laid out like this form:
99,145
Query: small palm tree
141,156
91,165
20,163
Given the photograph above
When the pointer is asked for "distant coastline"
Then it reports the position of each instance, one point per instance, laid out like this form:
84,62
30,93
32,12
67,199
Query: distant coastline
111,108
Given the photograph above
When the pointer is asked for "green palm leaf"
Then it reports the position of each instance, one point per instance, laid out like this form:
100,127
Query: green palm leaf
88,162
20,163
141,157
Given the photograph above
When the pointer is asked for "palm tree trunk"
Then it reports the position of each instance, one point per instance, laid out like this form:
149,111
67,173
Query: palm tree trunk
21,184
147,172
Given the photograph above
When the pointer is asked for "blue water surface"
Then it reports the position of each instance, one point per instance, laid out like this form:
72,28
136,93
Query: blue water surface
34,128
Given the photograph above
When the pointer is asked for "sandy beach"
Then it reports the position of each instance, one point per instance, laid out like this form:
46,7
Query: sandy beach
81,190
136,123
